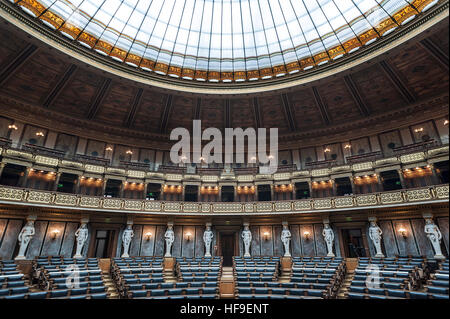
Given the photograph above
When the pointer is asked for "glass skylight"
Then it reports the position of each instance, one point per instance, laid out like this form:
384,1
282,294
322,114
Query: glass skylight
224,40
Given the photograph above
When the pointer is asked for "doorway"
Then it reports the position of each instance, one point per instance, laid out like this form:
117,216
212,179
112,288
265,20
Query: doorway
227,248
353,243
103,243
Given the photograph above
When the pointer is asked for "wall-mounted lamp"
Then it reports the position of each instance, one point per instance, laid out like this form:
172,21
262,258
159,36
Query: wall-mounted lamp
129,152
40,134
188,236
418,130
446,122
266,235
109,149
327,150
402,232
148,236
347,146
306,234
55,234
12,127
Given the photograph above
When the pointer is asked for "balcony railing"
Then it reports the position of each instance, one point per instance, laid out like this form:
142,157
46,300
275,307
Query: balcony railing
424,195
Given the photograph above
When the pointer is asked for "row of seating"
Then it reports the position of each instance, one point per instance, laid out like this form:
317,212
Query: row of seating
13,283
68,278
175,293
439,280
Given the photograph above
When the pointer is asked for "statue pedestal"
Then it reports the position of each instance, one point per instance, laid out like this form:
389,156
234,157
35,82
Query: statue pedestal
169,263
440,257
20,258
379,256
286,263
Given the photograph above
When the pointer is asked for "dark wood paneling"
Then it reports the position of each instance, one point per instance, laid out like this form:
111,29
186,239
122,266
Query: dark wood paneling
307,244
423,244
389,240
10,238
278,249
35,245
160,242
255,248
148,246
443,227
337,245
241,244
295,240
3,224
188,246
321,246
178,233
67,247
406,246
135,245
199,244
266,244
51,246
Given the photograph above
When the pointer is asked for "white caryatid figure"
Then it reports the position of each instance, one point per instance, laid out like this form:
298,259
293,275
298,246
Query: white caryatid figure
82,235
286,240
375,233
247,238
127,235
207,238
25,236
170,237
435,236
328,234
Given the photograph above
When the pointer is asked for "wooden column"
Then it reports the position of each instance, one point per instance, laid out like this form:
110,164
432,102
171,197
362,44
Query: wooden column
55,185
145,190
402,180
2,166
24,180
352,183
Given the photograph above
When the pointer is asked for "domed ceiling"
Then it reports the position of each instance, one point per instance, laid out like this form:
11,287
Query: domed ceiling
224,40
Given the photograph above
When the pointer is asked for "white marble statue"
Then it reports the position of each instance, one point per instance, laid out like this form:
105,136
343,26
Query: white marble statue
25,236
435,236
286,240
375,233
170,237
207,238
127,235
247,237
82,236
328,234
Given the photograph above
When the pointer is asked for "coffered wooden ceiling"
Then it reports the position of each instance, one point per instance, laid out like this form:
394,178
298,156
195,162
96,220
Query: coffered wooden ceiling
36,74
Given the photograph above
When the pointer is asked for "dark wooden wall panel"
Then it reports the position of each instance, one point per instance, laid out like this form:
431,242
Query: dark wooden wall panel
423,244
266,244
443,227
176,247
321,246
295,240
337,246
389,240
160,242
35,245
148,246
199,244
10,238
51,246
307,244
406,246
188,246
3,224
278,249
68,244
135,245
255,247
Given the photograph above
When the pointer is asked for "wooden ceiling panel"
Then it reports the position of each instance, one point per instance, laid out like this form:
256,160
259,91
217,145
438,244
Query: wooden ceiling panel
377,90
307,114
14,47
148,114
272,113
35,78
441,40
115,107
420,71
182,112
242,114
339,102
212,113
78,94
